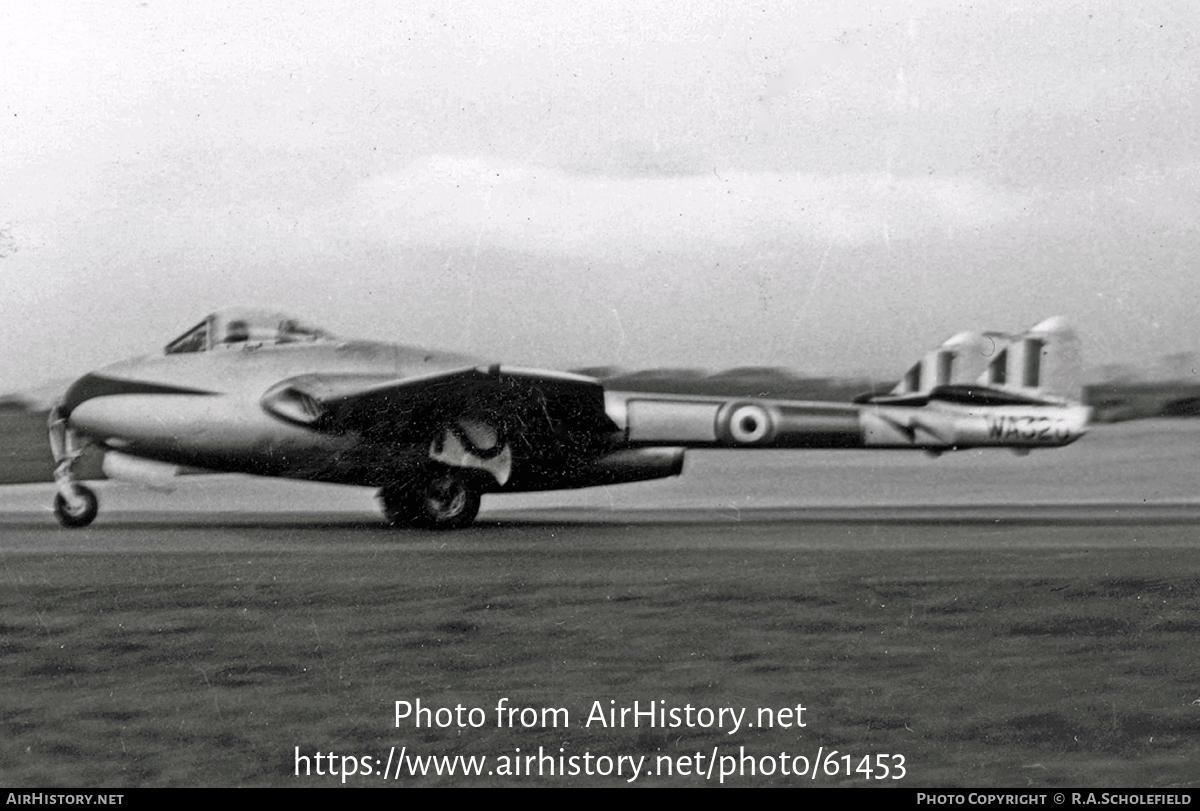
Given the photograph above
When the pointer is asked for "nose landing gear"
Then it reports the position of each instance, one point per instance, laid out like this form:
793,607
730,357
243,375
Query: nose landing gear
79,510
75,505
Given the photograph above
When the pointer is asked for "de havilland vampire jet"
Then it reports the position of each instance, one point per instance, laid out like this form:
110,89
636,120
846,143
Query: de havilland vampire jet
263,393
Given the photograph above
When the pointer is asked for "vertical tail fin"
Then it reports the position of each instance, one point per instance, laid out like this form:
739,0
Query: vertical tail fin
1043,362
957,362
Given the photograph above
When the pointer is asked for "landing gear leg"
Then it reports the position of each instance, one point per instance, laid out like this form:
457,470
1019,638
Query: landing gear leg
75,505
447,498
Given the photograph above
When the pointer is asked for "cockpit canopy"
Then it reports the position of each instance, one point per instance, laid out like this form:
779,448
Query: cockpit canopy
242,327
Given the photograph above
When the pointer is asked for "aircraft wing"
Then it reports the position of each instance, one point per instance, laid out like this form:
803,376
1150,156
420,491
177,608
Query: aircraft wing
476,416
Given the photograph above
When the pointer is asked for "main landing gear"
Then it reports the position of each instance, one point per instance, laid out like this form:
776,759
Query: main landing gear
466,458
448,498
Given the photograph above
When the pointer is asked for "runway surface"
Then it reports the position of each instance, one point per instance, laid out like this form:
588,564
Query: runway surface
994,620
880,528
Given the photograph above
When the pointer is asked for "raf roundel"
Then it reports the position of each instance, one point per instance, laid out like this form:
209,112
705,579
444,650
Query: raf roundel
745,424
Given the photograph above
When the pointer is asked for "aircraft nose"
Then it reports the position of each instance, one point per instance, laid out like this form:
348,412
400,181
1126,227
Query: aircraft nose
153,422
109,416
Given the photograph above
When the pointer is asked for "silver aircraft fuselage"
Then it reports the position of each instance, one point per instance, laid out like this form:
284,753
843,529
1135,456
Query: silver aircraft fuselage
262,393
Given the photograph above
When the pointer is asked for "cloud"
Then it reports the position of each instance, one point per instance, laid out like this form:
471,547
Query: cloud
449,201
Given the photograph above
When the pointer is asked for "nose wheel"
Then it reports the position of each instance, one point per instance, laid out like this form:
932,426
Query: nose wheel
79,510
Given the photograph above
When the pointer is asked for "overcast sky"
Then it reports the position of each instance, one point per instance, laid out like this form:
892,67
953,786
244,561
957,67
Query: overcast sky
705,184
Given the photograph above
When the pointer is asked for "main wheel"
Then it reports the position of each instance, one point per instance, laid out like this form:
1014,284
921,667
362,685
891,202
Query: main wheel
81,515
448,499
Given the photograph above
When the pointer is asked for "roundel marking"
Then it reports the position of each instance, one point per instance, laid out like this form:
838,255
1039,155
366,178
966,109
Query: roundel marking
747,424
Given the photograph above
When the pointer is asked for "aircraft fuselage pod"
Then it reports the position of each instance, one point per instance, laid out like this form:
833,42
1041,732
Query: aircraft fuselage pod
264,394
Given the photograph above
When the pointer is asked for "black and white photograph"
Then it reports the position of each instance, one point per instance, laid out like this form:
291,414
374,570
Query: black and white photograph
628,394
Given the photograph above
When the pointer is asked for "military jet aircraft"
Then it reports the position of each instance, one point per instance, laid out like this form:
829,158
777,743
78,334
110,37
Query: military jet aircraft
264,393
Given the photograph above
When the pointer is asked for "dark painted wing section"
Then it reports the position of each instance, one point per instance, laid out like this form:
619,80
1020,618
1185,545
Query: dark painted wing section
553,422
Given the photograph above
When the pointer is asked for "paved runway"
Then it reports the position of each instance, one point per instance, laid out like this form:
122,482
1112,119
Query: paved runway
962,527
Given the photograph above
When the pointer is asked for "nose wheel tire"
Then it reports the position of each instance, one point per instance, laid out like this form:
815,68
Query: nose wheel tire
447,500
80,515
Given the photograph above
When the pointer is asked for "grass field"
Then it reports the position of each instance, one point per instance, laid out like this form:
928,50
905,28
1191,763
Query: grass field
986,655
